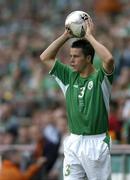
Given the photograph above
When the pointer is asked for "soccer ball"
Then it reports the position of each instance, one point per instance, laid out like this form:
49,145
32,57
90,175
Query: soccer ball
75,22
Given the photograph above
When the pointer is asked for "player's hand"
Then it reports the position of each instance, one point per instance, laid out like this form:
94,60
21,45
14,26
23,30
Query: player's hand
89,27
68,33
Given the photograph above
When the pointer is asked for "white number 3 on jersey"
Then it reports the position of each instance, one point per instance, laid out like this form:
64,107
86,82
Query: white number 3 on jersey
81,93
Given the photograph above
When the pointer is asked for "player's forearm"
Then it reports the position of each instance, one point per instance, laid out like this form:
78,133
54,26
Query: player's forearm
51,52
101,50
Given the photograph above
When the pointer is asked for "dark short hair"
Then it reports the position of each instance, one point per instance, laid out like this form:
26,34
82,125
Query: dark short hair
86,47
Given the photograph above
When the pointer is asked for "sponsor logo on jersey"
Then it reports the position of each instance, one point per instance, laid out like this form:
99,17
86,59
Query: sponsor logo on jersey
90,85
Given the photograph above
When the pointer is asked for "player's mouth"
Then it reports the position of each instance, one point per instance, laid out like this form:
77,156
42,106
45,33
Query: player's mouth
73,66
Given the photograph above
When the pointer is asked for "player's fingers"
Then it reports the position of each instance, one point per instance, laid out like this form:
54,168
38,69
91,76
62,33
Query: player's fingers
67,28
85,25
89,20
90,23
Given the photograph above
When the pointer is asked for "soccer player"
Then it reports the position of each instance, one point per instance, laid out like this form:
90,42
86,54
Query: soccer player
87,93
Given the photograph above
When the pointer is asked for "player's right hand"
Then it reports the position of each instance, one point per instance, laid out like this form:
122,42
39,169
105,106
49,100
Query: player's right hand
68,32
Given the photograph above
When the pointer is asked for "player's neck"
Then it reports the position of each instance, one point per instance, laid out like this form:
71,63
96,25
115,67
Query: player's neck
87,71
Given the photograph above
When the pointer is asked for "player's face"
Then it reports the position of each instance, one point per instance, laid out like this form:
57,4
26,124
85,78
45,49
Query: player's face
77,59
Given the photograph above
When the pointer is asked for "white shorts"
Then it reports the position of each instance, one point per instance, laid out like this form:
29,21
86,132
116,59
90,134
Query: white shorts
87,157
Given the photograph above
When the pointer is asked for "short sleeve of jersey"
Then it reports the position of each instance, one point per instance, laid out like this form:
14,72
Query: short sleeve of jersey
102,73
61,72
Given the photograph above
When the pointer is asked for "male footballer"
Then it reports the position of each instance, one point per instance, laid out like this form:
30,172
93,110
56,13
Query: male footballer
87,93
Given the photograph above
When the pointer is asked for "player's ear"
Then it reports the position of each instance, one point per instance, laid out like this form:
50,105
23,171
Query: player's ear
89,58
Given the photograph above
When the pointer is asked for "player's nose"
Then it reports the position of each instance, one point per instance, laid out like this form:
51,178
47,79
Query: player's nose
71,60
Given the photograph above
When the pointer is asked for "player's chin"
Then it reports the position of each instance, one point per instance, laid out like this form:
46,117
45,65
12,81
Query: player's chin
75,69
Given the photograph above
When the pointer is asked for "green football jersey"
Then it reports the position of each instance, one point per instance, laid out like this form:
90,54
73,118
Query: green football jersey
87,99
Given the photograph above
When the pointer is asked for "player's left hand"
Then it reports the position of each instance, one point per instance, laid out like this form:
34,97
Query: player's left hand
89,27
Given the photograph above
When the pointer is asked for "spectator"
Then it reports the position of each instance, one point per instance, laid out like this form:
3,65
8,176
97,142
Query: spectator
114,123
61,123
108,6
23,135
44,147
11,167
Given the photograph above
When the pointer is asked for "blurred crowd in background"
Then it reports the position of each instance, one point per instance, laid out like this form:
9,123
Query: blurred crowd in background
32,107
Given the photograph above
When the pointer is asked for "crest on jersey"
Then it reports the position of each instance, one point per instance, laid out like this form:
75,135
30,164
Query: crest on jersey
90,85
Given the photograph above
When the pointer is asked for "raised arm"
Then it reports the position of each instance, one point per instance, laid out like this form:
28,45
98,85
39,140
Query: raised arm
101,50
48,56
